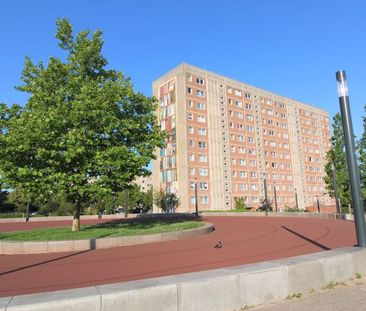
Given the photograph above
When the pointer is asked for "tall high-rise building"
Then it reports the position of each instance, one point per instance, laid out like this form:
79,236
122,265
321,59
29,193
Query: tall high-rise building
227,137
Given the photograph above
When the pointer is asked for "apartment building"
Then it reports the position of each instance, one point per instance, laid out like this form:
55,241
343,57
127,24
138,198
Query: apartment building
227,137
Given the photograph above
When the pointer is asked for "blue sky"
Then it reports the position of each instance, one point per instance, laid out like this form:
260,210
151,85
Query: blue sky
290,47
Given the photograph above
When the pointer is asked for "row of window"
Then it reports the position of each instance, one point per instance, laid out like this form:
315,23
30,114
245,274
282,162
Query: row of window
200,131
201,157
202,200
274,154
198,105
200,144
270,112
198,80
201,171
242,150
274,144
282,166
241,138
243,174
200,118
273,122
197,92
239,93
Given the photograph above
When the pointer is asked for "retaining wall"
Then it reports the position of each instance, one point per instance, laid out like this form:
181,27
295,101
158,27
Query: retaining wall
37,247
220,290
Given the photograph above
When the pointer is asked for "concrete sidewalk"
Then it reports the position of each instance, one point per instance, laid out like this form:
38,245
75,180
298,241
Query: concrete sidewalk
350,295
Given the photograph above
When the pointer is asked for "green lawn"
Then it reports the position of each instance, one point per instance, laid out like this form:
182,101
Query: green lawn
100,230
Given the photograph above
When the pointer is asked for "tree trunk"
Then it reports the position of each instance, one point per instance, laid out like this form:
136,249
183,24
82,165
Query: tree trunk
76,220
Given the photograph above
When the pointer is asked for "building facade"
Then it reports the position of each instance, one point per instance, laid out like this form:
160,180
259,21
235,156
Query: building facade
227,137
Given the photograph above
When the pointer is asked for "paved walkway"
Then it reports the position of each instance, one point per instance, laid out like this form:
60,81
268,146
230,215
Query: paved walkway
346,296
244,239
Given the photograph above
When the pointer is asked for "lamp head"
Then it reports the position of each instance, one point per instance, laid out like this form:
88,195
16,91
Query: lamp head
342,83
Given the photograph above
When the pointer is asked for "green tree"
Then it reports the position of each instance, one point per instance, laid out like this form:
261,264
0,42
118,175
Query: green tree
18,199
166,201
337,155
84,130
362,157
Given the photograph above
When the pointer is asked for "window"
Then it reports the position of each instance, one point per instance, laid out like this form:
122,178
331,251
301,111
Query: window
243,174
203,158
190,103
203,185
239,103
190,142
203,172
237,93
242,162
190,116
202,131
200,93
192,171
243,187
240,115
200,81
248,106
192,185
251,140
253,174
250,117
201,106
191,157
190,130
240,138
189,90
193,200
189,78
202,144
204,200
201,119
253,187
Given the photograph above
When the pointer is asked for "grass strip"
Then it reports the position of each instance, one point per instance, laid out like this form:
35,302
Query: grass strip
103,230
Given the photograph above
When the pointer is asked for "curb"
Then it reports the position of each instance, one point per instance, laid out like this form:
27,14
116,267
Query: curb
219,290
38,247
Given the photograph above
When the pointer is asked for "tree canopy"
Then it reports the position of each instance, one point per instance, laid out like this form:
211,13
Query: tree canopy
83,131
337,155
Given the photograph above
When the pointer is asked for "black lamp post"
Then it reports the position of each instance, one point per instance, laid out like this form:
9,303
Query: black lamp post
317,204
195,196
265,196
335,187
296,201
275,195
353,170
27,212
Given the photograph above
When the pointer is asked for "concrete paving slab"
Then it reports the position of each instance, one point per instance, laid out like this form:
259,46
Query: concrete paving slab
81,299
349,296
4,301
208,290
147,295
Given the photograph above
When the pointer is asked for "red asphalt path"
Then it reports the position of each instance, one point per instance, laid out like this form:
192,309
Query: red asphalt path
245,240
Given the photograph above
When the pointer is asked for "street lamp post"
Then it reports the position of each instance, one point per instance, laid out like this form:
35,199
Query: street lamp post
332,168
275,195
296,201
27,212
353,170
317,204
265,196
195,196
